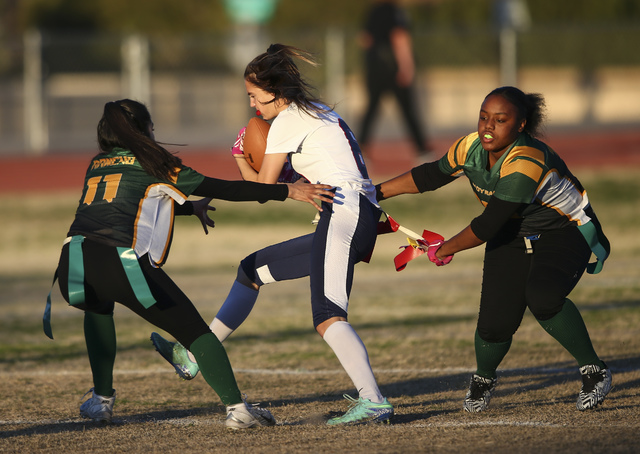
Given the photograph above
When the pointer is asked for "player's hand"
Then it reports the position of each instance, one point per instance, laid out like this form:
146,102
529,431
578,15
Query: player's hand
432,251
201,209
306,192
238,146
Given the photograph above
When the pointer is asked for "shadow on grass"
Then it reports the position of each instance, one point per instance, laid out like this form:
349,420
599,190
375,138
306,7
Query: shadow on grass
65,426
521,380
516,382
56,353
426,321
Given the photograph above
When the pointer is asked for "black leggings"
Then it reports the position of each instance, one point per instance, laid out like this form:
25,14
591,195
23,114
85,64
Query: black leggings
380,80
106,282
514,280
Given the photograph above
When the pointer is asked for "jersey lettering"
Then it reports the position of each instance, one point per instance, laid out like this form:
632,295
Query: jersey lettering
113,161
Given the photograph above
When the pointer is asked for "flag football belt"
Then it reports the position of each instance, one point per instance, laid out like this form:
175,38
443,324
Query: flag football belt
418,244
600,249
75,282
590,234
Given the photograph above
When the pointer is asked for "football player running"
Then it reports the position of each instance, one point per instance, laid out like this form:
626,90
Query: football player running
319,146
119,239
540,232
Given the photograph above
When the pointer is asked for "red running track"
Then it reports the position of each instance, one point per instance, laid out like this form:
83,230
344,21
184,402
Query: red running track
65,171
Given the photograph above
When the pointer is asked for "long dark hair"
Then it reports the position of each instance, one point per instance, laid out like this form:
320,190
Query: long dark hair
126,124
531,106
275,71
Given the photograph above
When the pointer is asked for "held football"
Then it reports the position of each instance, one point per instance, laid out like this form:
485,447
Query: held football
255,142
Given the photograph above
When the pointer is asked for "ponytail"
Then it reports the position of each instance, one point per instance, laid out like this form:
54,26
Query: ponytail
127,124
531,106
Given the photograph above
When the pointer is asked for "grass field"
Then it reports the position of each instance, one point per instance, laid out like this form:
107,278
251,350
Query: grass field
418,326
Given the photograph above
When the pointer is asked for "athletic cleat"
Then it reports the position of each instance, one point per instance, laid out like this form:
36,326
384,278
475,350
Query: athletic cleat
176,355
596,384
244,416
479,394
364,411
98,408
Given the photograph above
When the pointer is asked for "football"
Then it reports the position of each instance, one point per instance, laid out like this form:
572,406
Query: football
255,142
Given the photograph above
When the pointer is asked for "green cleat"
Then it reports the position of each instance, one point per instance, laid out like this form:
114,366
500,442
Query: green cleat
176,355
363,411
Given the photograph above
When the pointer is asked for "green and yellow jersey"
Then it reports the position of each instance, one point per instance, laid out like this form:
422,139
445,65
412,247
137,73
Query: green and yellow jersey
530,173
122,205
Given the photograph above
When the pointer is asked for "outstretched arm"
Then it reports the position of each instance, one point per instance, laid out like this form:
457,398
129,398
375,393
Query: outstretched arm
241,191
484,227
402,184
463,240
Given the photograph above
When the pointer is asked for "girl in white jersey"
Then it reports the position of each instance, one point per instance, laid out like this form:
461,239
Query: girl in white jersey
319,146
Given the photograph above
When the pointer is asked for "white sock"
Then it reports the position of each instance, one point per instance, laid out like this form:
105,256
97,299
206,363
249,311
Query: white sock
235,309
221,330
352,354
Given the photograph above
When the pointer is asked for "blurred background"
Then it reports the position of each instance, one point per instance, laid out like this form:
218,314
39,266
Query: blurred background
61,60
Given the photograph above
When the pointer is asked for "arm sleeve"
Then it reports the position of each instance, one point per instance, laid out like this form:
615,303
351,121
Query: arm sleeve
241,191
429,177
495,215
186,209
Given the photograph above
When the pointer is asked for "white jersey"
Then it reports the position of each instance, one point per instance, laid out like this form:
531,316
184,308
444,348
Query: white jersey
323,150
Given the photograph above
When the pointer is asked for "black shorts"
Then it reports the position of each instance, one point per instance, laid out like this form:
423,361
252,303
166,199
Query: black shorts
105,282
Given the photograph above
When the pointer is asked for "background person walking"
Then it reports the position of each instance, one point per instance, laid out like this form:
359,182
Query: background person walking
390,68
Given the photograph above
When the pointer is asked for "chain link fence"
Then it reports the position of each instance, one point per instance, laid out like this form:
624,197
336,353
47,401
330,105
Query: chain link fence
53,87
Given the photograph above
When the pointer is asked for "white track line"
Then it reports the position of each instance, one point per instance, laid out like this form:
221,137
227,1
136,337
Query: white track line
167,370
207,421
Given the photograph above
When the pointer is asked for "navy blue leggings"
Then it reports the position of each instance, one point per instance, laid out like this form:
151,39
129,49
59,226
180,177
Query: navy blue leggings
342,239
514,280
